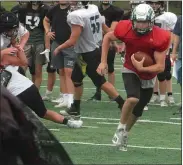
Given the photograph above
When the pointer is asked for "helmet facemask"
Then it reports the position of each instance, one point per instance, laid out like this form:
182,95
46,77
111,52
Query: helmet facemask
157,6
12,33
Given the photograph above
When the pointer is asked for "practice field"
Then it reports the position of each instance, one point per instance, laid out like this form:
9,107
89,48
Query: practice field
155,139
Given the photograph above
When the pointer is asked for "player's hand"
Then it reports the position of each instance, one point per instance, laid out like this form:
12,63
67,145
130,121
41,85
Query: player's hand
174,57
56,51
10,51
51,35
102,69
47,54
137,64
19,47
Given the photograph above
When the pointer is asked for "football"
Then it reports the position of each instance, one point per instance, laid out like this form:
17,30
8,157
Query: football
148,60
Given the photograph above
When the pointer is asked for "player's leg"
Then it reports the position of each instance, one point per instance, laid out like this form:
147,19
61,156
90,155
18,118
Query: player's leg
40,60
36,104
69,60
110,61
170,98
77,78
51,81
111,75
58,64
162,88
145,96
132,86
155,97
93,59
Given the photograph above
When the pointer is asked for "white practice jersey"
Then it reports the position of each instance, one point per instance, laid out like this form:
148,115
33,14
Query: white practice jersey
18,83
91,21
6,41
166,21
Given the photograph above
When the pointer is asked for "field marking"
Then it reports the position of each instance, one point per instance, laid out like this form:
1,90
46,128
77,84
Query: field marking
140,121
93,127
130,146
122,90
176,118
159,122
88,80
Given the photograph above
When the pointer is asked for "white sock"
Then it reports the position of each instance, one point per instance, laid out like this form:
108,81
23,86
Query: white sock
48,92
162,97
70,99
65,96
123,126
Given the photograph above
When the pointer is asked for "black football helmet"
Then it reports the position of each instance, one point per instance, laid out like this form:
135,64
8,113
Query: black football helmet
9,24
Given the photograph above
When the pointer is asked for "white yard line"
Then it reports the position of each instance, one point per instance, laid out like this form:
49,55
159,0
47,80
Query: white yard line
88,80
122,90
176,118
159,122
140,121
130,146
56,130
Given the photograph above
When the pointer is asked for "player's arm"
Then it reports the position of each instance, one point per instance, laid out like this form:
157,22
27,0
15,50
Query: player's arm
8,59
105,28
75,33
175,43
46,24
160,63
24,39
108,38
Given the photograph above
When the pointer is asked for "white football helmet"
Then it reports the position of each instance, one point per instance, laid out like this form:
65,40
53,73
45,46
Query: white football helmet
143,13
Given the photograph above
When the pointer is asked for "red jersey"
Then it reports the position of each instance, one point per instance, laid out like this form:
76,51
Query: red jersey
156,40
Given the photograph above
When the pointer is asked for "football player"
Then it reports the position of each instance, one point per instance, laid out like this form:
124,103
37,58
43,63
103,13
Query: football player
139,34
15,9
86,36
112,15
32,17
165,20
133,4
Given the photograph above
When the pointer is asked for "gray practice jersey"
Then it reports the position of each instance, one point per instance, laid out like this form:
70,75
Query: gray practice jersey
91,21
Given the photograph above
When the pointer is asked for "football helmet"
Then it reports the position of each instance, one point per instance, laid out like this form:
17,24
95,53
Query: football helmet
158,6
9,24
133,4
75,5
106,3
142,13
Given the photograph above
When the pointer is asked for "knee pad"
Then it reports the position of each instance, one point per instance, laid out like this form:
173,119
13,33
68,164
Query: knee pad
50,69
78,84
137,112
168,75
98,82
161,76
110,68
145,97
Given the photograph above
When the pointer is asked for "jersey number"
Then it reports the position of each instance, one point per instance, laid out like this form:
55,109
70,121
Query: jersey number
95,25
32,21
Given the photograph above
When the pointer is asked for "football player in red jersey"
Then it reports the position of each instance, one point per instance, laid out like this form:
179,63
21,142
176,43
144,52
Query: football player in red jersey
139,34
